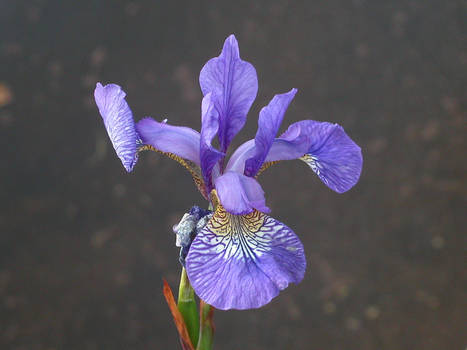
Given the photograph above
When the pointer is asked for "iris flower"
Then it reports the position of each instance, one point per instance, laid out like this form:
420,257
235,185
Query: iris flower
243,257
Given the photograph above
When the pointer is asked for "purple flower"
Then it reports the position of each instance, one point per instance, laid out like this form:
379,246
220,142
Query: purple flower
242,258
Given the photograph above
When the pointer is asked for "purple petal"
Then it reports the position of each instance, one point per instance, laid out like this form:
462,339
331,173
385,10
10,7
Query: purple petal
242,262
179,140
118,121
293,144
237,161
234,83
325,147
209,126
270,119
240,194
333,156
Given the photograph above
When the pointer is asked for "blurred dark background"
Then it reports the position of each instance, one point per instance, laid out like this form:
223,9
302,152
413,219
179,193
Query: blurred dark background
84,246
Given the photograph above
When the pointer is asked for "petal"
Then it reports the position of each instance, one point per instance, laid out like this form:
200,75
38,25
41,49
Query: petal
293,143
270,119
118,121
178,143
242,153
242,262
330,152
325,147
179,140
333,156
209,126
281,149
234,83
240,194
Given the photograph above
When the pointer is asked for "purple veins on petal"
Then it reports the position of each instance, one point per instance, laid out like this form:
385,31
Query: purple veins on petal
325,147
179,140
209,156
242,262
118,121
270,119
333,156
330,152
234,84
240,194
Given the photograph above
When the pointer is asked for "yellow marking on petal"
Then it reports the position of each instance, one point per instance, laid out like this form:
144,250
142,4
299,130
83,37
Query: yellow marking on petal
307,158
313,163
193,168
214,199
265,166
223,223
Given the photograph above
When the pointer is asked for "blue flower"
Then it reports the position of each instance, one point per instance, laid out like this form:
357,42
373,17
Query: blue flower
243,257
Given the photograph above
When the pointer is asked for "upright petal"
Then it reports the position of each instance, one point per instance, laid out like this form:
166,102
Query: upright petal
270,119
118,121
234,83
179,140
240,194
209,126
242,262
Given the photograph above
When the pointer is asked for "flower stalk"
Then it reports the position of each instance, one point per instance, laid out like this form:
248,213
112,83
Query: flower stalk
187,305
185,340
206,329
200,327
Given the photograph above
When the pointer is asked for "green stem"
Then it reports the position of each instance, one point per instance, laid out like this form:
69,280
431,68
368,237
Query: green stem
187,306
206,330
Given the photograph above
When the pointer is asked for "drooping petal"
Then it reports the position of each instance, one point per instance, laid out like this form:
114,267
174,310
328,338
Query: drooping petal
330,152
179,140
118,121
325,147
333,156
270,119
242,262
209,156
178,143
240,194
234,84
